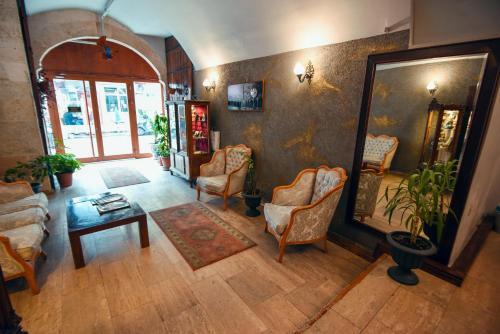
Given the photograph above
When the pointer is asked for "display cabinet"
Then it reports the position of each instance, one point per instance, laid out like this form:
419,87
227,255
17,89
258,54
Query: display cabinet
444,133
189,137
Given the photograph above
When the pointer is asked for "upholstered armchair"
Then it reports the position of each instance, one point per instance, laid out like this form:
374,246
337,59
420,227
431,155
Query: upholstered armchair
367,196
225,174
301,212
379,151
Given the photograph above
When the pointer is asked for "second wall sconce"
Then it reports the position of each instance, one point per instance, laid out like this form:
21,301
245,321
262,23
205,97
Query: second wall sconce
304,73
432,87
209,84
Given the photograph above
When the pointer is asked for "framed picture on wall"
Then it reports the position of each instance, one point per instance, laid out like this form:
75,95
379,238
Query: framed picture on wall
246,96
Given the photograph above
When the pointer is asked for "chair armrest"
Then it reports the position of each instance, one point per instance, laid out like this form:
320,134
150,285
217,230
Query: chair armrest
12,262
215,166
10,192
236,180
298,192
389,155
311,222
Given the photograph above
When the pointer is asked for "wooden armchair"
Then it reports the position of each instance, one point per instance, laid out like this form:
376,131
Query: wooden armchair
301,212
379,152
225,174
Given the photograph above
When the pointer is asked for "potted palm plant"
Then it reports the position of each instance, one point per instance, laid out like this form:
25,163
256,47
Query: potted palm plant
418,200
63,165
34,172
160,130
164,154
252,194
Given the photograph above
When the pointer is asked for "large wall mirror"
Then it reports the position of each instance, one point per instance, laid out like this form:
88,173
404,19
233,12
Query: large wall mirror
421,107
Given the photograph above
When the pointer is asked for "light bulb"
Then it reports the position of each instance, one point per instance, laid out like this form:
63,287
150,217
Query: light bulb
432,85
298,69
206,83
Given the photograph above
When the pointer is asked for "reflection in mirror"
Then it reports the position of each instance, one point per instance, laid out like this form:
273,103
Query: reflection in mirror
419,114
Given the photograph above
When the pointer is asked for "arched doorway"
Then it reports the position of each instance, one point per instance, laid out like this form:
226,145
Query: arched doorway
105,96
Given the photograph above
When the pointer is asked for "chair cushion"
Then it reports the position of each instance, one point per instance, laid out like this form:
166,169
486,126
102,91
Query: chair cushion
235,157
34,201
213,183
376,148
326,180
278,216
26,240
25,217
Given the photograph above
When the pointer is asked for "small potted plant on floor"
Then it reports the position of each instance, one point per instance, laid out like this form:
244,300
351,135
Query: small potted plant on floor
252,194
160,130
416,200
164,154
63,165
34,172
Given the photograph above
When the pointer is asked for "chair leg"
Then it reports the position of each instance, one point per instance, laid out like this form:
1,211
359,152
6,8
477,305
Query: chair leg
265,229
197,193
282,252
29,275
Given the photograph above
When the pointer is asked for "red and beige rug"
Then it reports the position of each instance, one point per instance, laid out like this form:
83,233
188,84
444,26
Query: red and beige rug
200,235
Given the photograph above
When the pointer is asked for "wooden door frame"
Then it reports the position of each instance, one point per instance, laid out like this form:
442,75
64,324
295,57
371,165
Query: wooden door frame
92,79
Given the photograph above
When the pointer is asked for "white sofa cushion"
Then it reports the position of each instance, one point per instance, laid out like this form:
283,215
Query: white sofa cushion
213,183
34,201
26,240
326,180
278,216
22,218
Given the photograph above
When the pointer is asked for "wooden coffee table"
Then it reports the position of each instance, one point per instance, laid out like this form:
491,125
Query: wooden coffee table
83,218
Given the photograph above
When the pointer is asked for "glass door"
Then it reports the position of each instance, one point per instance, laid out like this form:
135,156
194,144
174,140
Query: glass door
173,126
199,119
75,118
181,109
148,104
114,117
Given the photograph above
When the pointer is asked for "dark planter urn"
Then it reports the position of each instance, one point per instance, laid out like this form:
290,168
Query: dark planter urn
431,232
252,201
407,257
65,179
165,162
36,187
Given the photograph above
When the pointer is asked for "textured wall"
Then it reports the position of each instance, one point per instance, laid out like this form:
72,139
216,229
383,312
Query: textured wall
20,138
400,101
301,126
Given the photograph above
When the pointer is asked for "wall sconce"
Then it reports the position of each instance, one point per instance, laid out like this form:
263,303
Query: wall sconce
432,87
209,84
304,73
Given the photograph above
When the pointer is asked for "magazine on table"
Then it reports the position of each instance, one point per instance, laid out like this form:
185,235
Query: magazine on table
109,199
112,206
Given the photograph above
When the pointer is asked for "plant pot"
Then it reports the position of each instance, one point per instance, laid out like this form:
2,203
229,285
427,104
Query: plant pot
407,257
252,201
36,187
65,179
159,161
165,162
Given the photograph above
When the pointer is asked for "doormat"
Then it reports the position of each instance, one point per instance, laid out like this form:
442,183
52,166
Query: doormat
200,235
121,177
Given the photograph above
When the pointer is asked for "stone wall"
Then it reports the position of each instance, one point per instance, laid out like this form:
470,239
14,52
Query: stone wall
50,28
302,125
20,138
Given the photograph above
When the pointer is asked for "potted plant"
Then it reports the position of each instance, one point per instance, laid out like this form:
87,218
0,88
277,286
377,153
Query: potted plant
160,130
63,165
33,171
164,154
252,194
417,200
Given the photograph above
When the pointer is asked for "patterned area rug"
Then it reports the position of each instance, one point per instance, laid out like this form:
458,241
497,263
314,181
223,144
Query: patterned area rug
121,176
200,235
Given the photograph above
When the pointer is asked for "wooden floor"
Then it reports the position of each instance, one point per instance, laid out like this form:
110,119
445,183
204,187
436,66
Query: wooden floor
380,305
126,289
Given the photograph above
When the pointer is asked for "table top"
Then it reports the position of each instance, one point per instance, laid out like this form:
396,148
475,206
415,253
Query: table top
82,215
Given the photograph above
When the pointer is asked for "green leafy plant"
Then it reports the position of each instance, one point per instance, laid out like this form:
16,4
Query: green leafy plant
163,149
251,179
63,163
423,198
34,171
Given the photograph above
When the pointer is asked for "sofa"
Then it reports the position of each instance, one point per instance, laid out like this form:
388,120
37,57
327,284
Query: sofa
300,213
22,228
225,174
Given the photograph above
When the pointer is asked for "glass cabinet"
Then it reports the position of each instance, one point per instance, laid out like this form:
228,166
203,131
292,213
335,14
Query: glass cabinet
190,134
